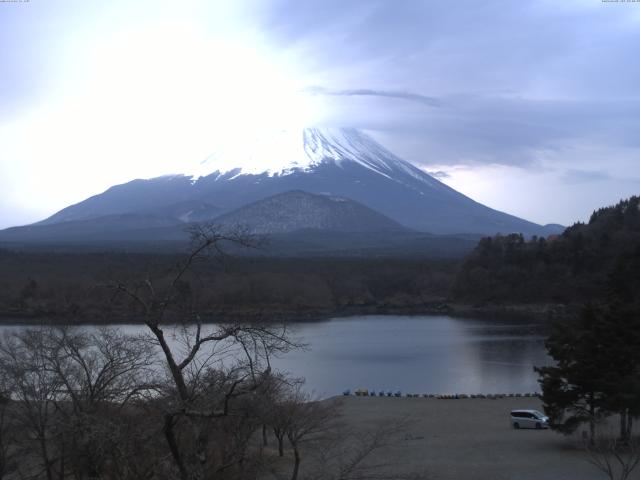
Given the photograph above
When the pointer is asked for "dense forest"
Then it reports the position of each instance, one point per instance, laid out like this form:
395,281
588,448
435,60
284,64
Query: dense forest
77,288
583,264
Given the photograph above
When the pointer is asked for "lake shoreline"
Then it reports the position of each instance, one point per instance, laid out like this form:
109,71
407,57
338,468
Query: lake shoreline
407,353
539,313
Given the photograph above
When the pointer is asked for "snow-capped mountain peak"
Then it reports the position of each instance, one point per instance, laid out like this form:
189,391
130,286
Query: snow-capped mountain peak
336,162
349,144
284,152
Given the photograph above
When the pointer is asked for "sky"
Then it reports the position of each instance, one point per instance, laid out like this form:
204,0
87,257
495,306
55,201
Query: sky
532,108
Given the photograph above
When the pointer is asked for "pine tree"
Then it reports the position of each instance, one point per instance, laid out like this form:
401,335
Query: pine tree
621,383
572,390
597,371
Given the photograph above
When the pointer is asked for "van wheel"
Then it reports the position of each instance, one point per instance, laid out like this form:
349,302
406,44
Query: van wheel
538,426
516,425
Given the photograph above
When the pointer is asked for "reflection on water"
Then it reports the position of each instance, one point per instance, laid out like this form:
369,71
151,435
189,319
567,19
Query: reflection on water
416,354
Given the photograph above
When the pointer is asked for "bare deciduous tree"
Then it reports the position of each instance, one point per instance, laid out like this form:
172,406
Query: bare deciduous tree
66,387
615,458
354,454
35,389
8,457
302,419
209,366
188,400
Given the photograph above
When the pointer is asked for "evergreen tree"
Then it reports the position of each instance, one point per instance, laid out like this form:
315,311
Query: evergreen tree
621,383
574,267
572,389
597,371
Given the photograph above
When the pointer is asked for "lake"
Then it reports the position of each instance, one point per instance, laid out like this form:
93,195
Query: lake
418,354
414,354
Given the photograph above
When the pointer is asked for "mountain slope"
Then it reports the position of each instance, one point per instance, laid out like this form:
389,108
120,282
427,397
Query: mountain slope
297,210
131,197
336,162
107,229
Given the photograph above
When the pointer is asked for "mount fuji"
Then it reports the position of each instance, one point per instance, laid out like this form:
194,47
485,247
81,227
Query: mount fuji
344,163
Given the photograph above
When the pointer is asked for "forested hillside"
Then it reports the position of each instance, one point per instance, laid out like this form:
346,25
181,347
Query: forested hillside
67,287
583,264
587,263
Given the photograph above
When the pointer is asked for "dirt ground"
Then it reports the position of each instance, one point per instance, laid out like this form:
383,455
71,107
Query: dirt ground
470,439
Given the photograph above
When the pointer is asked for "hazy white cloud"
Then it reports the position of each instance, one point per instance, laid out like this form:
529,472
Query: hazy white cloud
439,174
542,195
573,176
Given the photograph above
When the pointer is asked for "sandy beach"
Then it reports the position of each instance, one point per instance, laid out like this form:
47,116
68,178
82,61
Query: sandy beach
470,439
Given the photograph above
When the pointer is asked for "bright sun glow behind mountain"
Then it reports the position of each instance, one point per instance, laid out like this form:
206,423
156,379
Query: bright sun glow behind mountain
200,86
150,101
185,76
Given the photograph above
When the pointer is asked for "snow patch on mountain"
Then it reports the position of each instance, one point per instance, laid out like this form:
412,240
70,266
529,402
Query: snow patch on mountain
272,152
283,152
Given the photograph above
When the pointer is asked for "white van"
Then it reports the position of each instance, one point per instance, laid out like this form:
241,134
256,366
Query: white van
529,419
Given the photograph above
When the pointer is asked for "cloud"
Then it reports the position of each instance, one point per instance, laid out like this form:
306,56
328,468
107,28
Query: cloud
541,196
366,92
573,176
474,129
495,87
516,83
440,174
538,48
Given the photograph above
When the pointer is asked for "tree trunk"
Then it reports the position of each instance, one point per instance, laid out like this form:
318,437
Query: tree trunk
296,462
629,424
45,457
281,446
62,458
176,373
169,434
623,426
264,435
592,422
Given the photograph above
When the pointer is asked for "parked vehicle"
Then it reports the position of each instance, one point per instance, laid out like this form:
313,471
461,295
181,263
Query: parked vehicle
529,419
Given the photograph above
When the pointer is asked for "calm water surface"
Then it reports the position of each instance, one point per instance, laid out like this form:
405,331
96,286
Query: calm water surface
418,354
415,354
